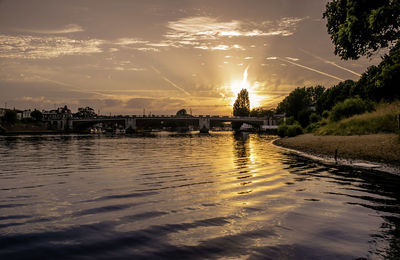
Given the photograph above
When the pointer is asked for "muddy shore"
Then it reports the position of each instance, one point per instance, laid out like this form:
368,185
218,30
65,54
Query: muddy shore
375,148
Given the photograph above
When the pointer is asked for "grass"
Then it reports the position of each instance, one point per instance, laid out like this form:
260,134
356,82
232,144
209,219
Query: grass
383,120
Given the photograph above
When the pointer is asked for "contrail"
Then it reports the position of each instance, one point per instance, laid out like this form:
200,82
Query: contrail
330,62
170,82
70,86
308,68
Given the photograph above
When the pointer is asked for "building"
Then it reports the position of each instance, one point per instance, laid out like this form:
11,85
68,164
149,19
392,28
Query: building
59,119
26,113
57,114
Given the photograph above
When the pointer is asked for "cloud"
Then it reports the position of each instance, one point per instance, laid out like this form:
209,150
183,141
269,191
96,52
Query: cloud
69,28
128,41
198,31
139,102
201,32
220,47
155,103
129,69
146,49
48,47
100,103
286,26
45,47
292,59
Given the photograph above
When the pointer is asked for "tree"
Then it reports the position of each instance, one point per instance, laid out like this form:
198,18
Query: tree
37,115
315,93
10,116
333,95
298,100
241,107
86,112
261,112
182,112
361,27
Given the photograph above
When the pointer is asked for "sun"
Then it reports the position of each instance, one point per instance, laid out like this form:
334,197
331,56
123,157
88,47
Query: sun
237,86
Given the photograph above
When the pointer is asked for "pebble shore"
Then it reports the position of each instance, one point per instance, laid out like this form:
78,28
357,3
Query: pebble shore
374,148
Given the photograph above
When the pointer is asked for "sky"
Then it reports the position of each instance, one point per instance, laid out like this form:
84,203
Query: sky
157,56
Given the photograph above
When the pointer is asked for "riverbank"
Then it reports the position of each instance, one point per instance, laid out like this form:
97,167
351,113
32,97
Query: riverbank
381,149
26,128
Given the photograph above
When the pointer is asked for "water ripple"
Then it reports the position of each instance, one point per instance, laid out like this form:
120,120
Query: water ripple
188,197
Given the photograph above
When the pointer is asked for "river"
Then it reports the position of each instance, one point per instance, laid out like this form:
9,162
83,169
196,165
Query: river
188,196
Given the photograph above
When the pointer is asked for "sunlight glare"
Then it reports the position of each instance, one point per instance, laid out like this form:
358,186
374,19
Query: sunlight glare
237,86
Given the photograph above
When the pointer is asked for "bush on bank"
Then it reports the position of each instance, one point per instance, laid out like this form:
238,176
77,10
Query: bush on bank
350,107
290,130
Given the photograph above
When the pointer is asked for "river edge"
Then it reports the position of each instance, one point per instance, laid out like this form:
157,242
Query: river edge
378,152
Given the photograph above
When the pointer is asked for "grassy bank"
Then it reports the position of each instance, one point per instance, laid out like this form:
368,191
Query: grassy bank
383,120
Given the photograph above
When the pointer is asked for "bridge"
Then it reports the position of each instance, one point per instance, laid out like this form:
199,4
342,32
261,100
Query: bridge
202,123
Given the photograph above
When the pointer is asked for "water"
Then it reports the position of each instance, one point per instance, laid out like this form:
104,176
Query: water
187,197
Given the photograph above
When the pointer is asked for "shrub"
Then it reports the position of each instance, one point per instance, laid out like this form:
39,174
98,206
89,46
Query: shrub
294,130
290,120
290,130
314,117
350,107
282,130
304,117
312,127
325,114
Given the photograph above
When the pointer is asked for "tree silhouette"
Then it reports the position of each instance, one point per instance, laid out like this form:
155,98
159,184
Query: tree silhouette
182,112
37,115
10,116
241,107
361,27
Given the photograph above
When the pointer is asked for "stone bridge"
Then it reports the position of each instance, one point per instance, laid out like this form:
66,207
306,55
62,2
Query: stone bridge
204,123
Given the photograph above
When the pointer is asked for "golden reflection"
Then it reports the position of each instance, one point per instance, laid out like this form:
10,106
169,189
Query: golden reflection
242,155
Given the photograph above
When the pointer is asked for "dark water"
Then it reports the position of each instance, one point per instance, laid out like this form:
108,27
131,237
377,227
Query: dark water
187,197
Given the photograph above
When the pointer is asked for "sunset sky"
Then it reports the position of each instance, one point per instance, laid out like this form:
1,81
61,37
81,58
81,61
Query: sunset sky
123,56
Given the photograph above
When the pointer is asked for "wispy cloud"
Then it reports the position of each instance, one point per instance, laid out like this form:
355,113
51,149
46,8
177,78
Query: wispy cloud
128,41
129,69
220,47
209,28
154,103
69,28
45,47
199,31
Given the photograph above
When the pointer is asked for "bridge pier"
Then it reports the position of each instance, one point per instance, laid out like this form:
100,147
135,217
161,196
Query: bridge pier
130,123
204,124
70,125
